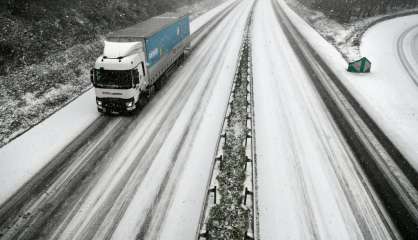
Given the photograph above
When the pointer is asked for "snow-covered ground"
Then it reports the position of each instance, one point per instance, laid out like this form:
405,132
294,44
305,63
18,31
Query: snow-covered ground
388,94
22,158
345,37
408,46
309,183
199,8
203,19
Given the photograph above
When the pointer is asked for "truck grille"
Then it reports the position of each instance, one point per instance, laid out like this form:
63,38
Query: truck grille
114,104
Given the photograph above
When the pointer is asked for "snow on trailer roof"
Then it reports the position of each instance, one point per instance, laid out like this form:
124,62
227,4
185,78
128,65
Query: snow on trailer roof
146,28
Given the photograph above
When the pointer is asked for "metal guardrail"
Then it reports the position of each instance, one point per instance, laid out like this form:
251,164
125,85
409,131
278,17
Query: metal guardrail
249,191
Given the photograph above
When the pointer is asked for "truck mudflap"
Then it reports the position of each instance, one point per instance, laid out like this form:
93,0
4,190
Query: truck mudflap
115,105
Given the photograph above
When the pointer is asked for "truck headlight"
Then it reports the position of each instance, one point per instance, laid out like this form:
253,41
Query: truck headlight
129,104
99,103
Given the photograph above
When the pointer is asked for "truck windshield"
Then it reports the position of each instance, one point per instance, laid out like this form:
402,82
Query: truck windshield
114,79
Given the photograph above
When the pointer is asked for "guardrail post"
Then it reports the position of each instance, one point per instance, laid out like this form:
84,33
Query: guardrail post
249,133
220,159
247,192
247,237
213,190
204,235
247,160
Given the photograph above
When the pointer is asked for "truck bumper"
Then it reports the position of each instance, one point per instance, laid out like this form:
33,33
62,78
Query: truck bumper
115,105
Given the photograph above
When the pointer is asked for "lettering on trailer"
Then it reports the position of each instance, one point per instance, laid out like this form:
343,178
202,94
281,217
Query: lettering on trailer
154,53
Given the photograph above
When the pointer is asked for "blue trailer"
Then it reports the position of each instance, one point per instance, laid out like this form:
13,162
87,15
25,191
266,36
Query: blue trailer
134,59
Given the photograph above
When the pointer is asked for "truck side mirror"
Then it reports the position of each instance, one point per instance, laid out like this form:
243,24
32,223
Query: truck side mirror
135,73
92,76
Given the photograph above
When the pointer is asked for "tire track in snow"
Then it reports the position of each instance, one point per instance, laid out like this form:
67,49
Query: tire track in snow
354,201
106,223
302,155
388,172
139,169
402,53
152,224
126,138
33,230
36,210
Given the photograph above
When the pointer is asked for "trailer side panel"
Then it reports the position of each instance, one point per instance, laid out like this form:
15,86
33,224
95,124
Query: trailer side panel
164,41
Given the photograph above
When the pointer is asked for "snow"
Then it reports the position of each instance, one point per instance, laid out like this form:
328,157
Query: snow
120,49
158,174
26,155
189,196
408,50
345,37
392,88
388,94
342,36
205,18
22,158
309,183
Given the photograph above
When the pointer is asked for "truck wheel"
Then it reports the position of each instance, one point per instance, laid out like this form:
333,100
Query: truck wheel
142,100
151,91
159,83
130,113
182,58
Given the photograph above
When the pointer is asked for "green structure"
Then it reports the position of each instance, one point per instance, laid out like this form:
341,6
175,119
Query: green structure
360,66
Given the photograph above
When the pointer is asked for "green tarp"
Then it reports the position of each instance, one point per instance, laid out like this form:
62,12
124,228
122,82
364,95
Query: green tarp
360,66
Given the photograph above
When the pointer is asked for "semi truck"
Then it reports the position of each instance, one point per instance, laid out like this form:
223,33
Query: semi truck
134,60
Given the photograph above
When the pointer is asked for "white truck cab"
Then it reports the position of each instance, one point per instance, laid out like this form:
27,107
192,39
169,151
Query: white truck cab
119,76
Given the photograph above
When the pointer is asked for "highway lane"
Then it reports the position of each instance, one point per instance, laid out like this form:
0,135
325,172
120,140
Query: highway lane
389,179
310,185
146,161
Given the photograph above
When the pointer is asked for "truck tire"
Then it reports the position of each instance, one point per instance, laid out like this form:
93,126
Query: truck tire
160,82
151,91
142,100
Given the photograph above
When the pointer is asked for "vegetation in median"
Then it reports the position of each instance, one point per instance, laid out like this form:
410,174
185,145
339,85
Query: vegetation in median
230,218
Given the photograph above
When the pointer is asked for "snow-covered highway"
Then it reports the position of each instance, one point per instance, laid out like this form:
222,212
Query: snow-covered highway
157,171
47,139
307,174
334,158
